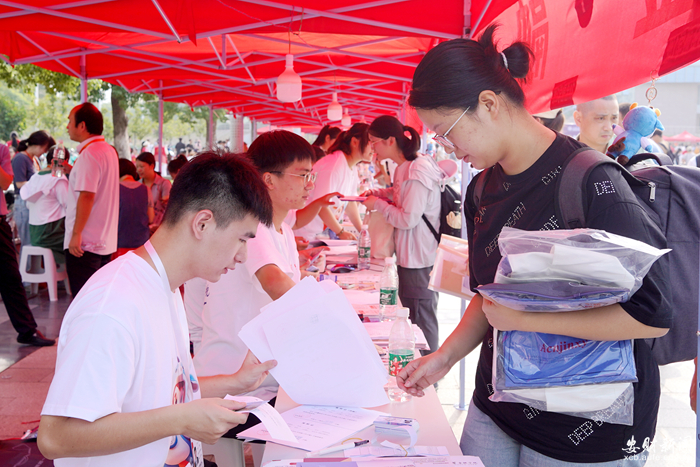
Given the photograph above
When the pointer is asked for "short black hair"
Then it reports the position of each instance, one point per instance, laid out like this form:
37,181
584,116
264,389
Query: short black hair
88,113
126,167
624,108
274,151
147,157
226,184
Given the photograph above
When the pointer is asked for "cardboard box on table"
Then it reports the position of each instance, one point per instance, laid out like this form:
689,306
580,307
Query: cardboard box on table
450,273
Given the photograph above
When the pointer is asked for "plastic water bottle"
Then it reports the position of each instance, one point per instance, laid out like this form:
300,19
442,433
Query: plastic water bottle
364,247
402,346
388,289
59,155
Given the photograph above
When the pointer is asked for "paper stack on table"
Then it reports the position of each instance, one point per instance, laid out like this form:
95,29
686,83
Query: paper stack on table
370,312
446,461
317,427
324,355
379,333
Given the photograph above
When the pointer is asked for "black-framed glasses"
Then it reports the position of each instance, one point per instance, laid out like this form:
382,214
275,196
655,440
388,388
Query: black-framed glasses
442,139
308,177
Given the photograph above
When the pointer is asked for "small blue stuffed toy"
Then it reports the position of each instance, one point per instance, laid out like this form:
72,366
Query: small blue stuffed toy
639,123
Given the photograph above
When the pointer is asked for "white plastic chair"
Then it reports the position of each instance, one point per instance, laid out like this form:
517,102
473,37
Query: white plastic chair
50,274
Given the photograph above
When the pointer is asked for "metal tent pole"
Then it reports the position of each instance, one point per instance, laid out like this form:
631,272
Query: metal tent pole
83,80
211,137
462,405
161,151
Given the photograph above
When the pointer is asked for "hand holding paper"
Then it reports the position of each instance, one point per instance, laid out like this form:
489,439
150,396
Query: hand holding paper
252,373
270,418
324,354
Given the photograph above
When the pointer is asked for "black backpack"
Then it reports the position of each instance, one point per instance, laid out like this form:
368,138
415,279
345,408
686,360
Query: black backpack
671,196
450,201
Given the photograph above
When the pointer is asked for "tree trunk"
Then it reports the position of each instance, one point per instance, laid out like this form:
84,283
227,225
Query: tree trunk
209,143
121,123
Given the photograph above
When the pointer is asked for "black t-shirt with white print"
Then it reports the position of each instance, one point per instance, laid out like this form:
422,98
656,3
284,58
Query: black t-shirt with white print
526,201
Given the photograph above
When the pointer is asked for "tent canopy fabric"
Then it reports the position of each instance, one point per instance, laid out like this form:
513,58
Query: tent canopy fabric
683,137
228,53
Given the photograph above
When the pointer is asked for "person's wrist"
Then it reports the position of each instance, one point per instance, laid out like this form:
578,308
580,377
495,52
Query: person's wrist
342,229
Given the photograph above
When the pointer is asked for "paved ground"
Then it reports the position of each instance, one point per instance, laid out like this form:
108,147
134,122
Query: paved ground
23,385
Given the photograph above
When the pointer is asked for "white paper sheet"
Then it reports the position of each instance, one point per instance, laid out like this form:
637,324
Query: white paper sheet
270,418
384,451
318,427
324,355
362,297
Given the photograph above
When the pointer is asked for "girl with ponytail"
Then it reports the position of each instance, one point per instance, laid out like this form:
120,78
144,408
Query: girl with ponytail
337,173
24,165
415,195
469,93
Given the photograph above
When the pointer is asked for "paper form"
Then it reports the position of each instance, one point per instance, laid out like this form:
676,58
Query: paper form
324,355
270,418
384,451
318,427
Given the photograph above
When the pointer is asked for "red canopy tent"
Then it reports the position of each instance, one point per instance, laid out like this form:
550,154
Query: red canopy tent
683,137
228,54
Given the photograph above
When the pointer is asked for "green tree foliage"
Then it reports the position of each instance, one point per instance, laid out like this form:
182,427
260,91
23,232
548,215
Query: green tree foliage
13,112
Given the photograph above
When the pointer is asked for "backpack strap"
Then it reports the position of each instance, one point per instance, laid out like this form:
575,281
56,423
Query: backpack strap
661,159
432,229
570,190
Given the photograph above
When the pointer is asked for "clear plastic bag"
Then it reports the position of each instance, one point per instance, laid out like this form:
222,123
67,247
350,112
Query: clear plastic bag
607,398
587,256
553,296
450,272
539,360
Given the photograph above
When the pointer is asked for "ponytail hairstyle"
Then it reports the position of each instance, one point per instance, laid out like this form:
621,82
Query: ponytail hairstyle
407,138
342,143
14,139
331,131
454,73
38,138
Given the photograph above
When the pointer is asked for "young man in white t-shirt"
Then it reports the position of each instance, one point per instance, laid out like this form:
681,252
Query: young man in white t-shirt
125,391
284,161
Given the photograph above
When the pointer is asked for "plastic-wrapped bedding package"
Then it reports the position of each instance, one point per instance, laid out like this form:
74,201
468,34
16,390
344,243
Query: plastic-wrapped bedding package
559,271
587,256
538,360
609,402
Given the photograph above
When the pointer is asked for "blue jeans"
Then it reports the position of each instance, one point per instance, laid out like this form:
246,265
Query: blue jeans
482,437
20,213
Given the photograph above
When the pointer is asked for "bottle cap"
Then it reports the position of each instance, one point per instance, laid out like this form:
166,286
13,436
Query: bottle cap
365,227
389,260
402,312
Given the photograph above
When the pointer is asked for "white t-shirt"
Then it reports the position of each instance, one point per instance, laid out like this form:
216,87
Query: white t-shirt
195,295
46,197
332,174
117,352
238,297
96,170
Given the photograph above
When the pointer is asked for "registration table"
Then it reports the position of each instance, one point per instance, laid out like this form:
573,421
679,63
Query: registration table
434,429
